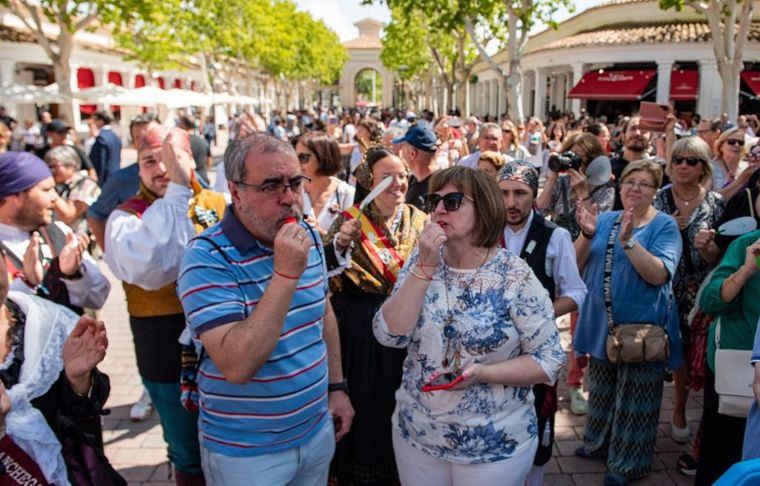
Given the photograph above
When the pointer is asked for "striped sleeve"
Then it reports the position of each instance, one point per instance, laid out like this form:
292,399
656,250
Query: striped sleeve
208,289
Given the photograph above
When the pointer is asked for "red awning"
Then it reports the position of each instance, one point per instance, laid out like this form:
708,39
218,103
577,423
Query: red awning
161,83
684,85
86,79
613,85
178,83
115,78
752,78
139,81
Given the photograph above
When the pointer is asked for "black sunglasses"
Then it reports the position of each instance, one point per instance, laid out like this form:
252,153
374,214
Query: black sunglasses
735,141
692,161
451,201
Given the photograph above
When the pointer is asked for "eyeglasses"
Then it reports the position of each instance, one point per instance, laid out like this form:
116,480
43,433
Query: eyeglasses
278,189
304,158
451,201
734,141
638,185
692,161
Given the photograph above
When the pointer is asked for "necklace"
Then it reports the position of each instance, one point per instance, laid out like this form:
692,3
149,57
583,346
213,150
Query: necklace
686,201
452,357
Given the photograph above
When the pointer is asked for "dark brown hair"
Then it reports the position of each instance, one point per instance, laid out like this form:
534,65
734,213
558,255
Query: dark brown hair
325,148
491,216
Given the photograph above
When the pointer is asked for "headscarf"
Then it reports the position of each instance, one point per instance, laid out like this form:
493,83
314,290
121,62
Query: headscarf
520,171
19,171
154,136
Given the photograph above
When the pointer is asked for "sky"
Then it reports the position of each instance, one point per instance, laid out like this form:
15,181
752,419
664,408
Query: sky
340,15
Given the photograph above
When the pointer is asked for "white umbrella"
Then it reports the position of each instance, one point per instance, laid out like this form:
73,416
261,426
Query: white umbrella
178,98
247,100
223,98
97,93
20,94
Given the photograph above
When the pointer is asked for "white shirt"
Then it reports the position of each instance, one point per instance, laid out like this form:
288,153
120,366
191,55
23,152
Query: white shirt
561,263
470,161
341,199
91,290
147,251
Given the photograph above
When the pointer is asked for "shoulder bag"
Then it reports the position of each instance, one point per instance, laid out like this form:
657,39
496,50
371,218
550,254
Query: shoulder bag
631,343
733,379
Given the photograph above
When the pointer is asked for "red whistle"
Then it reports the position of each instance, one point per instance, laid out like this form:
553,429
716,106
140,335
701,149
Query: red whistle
290,220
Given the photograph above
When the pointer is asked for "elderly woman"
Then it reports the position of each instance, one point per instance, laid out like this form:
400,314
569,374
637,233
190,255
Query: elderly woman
731,294
694,208
51,394
465,308
377,242
628,260
76,189
562,190
730,149
325,195
491,163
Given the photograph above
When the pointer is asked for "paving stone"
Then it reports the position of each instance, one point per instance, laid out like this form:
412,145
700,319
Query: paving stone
572,465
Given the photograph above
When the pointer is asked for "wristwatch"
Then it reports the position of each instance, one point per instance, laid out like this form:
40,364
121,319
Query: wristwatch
339,386
629,244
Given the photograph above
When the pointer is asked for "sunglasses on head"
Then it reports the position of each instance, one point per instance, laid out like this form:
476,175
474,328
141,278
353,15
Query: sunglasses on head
680,159
451,201
734,141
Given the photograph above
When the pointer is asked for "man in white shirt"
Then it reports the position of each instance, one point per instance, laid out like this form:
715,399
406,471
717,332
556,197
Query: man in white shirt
489,138
549,251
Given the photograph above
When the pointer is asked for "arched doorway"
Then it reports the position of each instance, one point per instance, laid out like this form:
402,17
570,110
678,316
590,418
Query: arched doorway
368,87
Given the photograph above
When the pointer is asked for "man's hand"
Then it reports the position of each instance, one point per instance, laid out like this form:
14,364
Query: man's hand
342,413
72,253
291,250
83,350
33,272
179,164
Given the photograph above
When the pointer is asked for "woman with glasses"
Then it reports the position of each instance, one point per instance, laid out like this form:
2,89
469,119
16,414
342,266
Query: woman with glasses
730,148
479,330
371,247
694,208
628,259
325,195
76,189
510,142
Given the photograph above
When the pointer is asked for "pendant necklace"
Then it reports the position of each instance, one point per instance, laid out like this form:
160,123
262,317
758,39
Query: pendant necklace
452,357
685,200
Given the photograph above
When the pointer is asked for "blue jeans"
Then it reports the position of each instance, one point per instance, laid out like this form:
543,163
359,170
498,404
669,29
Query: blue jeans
307,465
180,426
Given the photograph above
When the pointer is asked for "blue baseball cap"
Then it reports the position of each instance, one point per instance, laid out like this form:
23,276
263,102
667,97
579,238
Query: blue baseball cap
419,137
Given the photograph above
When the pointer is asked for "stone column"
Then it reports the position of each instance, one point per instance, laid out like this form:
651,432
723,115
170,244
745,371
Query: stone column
575,103
664,68
7,71
77,121
710,89
539,99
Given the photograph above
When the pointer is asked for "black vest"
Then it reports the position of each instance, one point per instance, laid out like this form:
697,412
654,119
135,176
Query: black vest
534,250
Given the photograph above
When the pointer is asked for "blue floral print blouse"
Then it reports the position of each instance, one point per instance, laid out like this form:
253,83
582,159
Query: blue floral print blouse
500,311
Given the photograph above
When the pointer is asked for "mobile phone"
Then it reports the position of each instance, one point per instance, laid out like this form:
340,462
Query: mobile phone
652,116
444,381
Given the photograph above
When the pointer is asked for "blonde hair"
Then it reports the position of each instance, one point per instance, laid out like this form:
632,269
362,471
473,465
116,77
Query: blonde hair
493,158
724,136
692,147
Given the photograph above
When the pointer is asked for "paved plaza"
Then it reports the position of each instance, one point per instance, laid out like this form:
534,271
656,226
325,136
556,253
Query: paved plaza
138,452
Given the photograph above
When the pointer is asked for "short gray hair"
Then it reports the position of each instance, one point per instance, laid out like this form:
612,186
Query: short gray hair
64,155
260,143
490,126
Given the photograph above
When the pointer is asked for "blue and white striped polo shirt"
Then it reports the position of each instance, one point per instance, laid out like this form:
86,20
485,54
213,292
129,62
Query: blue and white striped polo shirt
224,273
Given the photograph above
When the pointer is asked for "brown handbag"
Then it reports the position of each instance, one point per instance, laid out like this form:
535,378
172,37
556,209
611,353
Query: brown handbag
634,342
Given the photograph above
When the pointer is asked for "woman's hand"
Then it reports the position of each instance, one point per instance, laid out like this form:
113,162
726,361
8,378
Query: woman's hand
579,183
703,239
682,220
586,218
350,231
470,375
431,240
83,350
750,261
626,227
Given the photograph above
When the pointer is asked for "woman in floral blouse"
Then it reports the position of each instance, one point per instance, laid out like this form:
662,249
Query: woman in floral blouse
464,306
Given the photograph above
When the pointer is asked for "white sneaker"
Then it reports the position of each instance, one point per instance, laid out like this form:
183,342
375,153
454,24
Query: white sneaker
142,409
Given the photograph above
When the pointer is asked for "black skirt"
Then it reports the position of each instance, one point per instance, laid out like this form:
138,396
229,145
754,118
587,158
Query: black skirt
365,455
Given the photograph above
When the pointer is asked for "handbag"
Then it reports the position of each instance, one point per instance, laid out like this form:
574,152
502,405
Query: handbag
733,379
635,342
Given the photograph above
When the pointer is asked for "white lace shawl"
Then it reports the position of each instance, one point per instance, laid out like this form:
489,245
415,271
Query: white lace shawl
47,327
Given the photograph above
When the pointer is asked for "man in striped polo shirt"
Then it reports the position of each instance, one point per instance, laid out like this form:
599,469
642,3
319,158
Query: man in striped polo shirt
254,290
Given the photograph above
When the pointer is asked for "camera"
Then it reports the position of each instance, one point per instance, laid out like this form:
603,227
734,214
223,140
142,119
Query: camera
565,161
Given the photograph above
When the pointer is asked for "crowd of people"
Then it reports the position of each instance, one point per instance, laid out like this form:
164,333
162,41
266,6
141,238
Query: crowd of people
371,298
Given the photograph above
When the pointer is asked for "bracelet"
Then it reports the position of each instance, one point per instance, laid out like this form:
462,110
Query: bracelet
426,279
588,236
286,276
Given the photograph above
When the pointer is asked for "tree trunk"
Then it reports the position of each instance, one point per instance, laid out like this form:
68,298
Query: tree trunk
514,89
729,74
62,73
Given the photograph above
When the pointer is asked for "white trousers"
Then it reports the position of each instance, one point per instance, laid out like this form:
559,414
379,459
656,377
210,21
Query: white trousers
416,468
